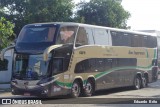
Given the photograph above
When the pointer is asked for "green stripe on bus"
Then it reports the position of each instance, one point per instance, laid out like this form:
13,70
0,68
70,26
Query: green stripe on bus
155,53
101,74
121,68
62,84
147,55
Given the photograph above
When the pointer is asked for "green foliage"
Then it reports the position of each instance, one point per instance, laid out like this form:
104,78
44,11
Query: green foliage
22,12
6,32
99,12
102,12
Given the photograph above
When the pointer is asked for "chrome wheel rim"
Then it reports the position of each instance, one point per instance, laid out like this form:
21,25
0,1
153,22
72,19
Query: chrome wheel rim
75,89
144,82
137,83
88,87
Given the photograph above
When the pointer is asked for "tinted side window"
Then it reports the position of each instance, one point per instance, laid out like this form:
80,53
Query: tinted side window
152,42
144,41
90,36
100,63
3,65
155,42
135,41
120,39
82,38
140,39
93,65
126,39
57,66
115,39
126,62
82,66
101,36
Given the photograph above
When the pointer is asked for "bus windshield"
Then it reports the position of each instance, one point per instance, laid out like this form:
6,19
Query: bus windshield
30,67
35,38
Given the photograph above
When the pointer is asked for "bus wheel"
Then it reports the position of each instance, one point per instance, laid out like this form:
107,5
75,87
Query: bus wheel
89,88
13,92
137,82
144,82
76,89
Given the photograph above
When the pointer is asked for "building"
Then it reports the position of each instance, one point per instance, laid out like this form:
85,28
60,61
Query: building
6,70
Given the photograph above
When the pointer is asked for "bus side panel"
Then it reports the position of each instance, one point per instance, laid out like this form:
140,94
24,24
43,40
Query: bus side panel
153,75
117,78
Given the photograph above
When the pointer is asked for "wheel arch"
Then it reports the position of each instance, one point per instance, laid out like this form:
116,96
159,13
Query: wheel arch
139,74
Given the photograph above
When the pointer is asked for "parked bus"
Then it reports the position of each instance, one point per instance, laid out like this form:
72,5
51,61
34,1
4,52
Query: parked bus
62,58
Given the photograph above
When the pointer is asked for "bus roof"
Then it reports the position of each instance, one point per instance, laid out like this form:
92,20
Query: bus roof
94,26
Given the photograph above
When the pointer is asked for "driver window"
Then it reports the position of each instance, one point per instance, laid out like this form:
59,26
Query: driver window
57,66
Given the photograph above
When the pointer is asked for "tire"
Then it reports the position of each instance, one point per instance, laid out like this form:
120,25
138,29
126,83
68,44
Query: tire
76,89
14,92
144,82
89,89
137,83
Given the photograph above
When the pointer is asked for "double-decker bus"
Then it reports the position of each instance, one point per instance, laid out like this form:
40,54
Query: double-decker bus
62,58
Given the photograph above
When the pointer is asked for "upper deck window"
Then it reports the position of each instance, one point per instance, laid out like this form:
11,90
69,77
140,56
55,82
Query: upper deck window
66,35
84,37
36,38
101,36
37,34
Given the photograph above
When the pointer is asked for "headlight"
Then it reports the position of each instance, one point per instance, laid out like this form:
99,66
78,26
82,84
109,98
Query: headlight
13,82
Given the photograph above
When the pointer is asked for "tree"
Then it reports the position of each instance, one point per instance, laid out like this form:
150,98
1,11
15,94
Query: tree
6,32
22,12
102,12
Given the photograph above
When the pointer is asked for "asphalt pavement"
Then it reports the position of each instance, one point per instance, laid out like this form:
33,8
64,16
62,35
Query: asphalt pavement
118,97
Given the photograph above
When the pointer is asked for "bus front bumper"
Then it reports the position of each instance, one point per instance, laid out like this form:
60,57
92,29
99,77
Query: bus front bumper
36,91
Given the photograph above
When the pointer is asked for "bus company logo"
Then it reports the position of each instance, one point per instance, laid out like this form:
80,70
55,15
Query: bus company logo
6,101
110,50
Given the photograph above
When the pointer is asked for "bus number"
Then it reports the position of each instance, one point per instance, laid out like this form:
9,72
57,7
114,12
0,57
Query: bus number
82,52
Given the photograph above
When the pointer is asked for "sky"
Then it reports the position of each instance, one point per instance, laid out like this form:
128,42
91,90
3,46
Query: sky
145,14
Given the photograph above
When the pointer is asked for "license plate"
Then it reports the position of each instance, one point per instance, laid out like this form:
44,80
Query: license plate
27,94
